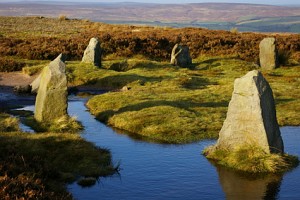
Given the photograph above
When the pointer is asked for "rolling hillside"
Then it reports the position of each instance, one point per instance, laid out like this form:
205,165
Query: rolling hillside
245,17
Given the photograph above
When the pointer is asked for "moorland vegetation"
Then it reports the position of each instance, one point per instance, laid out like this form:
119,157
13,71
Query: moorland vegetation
163,103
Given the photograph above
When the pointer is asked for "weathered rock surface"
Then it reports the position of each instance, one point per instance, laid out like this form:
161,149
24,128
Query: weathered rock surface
35,84
181,56
251,117
268,54
92,53
51,100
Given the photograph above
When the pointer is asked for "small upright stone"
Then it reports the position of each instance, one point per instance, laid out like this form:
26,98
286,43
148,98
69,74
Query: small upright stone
268,54
181,56
92,53
251,117
51,100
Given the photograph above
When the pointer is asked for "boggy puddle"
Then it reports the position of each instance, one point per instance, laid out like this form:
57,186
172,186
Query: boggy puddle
164,171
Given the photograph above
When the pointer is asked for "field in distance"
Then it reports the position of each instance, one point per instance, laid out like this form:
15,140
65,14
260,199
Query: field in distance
225,16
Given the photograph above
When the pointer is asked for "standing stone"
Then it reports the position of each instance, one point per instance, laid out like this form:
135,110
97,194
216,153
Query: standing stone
92,53
251,117
51,100
268,54
181,56
35,84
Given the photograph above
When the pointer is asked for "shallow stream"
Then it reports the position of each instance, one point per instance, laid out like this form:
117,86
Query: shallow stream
164,171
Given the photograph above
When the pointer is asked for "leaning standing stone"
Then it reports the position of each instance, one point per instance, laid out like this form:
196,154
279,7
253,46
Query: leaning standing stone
268,54
181,56
92,53
251,117
35,84
51,100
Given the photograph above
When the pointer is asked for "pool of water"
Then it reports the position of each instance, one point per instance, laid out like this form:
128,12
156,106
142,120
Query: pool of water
160,171
164,171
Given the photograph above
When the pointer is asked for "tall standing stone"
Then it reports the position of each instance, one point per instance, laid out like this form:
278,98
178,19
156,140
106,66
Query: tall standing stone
51,100
251,117
268,54
92,53
181,56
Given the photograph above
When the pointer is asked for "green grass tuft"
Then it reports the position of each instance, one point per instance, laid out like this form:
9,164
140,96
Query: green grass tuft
8,123
251,159
61,125
37,166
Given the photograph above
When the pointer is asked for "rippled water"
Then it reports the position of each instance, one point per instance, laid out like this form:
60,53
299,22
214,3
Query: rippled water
158,171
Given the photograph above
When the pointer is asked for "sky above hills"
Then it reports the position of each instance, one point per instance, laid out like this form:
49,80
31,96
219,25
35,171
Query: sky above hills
271,2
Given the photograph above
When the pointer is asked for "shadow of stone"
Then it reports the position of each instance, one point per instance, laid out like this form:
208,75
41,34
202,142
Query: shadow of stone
196,82
211,63
279,101
121,80
126,65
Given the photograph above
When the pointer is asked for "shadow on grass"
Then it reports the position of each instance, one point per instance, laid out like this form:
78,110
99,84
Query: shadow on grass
280,101
121,80
196,82
211,63
126,65
186,105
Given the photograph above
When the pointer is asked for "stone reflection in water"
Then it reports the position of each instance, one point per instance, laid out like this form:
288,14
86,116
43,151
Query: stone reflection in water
237,186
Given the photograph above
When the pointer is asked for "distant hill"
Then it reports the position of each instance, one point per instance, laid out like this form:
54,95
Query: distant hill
245,17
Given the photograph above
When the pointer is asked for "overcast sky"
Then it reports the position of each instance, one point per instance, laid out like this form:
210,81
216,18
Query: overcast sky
273,2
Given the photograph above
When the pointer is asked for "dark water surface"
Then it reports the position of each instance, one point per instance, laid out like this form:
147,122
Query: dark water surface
160,171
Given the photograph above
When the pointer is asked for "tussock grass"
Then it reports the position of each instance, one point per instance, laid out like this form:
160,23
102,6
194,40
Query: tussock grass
37,166
8,123
251,159
60,125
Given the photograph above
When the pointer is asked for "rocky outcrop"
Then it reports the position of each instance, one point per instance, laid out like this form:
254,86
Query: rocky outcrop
251,117
51,100
268,54
181,56
92,53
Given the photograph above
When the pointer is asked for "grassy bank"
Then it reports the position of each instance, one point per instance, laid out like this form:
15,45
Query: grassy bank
37,166
251,159
176,105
